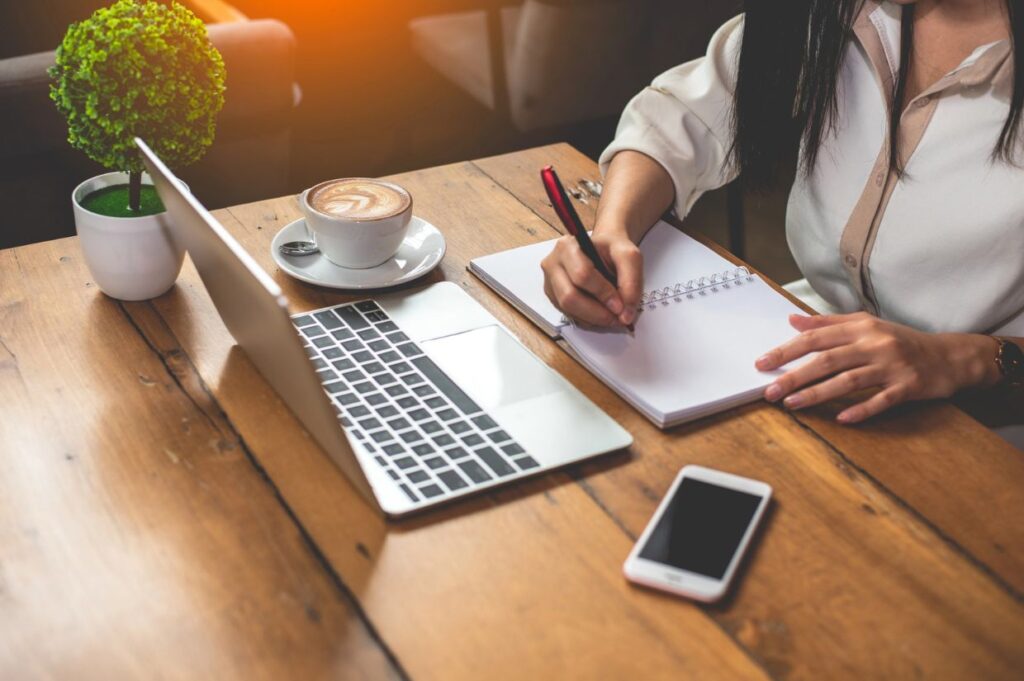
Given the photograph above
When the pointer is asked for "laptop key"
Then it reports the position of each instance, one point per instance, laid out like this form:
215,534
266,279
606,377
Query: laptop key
364,387
408,492
351,317
474,471
367,306
405,462
304,320
452,480
424,390
484,422
390,356
431,491
417,476
472,439
376,316
446,385
358,411
398,424
435,462
384,379
373,367
312,331
513,449
380,460
370,424
362,356
396,390
387,327
446,414
311,351
423,449
382,436
400,367
352,345
345,422
412,379
326,375
387,411
499,436
444,439
342,334
409,349
319,363
393,449
407,402
411,436
375,398
419,414
456,453
368,334
430,426
333,353
323,341
525,462
459,427
328,319
435,403
496,462
336,387
397,337
347,398
394,475
342,364
379,345
354,376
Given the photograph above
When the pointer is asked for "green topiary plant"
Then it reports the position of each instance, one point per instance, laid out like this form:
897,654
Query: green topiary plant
139,68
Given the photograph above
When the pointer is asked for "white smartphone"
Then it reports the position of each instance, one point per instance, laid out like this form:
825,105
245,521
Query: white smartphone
699,533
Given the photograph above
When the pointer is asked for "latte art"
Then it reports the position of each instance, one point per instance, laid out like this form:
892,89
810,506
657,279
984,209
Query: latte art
359,199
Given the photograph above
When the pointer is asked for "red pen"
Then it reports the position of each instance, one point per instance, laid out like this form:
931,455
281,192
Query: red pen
567,214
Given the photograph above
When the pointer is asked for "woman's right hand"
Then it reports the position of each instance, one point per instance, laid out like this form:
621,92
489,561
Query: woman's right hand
575,286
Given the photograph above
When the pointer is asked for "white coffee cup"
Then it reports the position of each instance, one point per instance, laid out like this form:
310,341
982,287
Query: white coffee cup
358,222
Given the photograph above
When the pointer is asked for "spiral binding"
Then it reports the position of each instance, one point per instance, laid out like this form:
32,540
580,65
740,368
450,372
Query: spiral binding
693,288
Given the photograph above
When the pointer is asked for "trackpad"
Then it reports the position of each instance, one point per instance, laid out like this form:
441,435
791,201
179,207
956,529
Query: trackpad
492,367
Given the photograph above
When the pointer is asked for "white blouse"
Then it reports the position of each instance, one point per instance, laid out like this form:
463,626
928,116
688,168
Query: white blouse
940,250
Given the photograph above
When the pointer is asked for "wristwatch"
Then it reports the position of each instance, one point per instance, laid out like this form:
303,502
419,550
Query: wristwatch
1010,360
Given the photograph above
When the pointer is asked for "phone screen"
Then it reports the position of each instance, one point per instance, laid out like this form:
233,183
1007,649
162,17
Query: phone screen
701,528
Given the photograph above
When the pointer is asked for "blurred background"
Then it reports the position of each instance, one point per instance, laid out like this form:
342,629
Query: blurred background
331,88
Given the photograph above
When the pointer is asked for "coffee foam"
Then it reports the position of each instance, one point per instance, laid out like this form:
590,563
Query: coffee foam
358,199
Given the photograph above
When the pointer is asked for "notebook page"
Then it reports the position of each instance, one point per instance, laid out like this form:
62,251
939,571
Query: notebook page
669,257
690,354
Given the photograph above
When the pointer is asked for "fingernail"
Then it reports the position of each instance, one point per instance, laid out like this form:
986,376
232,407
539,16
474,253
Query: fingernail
628,315
844,417
762,362
614,305
793,401
773,392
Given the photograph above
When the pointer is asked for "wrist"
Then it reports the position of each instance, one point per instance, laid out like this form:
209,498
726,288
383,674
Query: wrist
972,358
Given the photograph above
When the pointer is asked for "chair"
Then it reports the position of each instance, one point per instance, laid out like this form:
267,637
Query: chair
248,160
551,64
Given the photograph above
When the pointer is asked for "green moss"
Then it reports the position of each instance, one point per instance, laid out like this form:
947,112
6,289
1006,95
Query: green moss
113,202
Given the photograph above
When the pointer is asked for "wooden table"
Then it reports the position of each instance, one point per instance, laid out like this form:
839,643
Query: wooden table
163,515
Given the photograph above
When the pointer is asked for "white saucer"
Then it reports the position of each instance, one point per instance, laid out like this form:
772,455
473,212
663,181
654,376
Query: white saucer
420,252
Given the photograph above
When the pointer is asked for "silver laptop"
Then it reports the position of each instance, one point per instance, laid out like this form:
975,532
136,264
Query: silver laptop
419,397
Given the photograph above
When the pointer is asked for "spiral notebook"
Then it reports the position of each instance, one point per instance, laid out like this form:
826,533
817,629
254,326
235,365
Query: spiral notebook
702,323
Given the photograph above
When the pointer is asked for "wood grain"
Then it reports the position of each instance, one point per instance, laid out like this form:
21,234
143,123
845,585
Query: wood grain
136,538
164,514
932,457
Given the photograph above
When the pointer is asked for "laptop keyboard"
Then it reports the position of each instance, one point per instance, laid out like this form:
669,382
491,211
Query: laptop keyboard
428,435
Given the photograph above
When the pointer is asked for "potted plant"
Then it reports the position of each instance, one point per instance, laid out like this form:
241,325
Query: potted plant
141,68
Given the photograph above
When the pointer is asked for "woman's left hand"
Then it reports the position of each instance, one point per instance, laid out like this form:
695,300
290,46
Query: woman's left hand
858,351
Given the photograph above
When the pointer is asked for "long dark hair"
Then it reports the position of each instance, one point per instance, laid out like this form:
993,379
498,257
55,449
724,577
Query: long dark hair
788,72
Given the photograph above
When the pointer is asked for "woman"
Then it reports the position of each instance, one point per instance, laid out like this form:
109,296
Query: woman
915,250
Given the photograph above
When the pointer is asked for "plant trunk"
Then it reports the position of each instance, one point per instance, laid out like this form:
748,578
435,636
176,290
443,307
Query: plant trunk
134,191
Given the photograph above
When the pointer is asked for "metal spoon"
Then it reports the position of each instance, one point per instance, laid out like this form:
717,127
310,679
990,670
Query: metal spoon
299,248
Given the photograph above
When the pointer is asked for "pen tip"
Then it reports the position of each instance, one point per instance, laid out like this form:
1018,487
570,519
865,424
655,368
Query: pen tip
632,329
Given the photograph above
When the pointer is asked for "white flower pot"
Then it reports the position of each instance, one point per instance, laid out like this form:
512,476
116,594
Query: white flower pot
130,258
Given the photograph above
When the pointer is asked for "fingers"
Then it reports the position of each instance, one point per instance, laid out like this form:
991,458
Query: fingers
874,405
814,340
585,276
628,264
837,386
575,302
807,322
823,365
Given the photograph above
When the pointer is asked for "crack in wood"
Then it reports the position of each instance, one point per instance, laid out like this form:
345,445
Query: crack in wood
189,369
850,465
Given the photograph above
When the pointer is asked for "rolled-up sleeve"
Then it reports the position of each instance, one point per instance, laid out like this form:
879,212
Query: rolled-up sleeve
682,120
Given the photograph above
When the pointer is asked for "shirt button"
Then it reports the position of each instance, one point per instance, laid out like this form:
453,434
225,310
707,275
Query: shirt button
850,260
